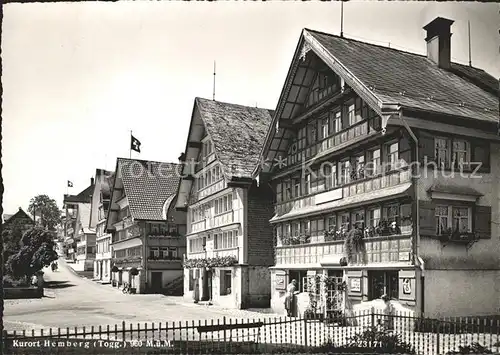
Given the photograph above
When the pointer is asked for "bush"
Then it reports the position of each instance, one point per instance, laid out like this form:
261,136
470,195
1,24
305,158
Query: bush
379,341
9,281
474,348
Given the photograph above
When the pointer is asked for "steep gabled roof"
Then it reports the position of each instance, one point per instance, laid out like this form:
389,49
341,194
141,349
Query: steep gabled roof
147,185
237,133
84,197
388,80
7,218
413,81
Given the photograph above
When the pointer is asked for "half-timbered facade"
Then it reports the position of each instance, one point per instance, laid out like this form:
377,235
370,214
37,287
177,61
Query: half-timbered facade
374,151
229,240
147,232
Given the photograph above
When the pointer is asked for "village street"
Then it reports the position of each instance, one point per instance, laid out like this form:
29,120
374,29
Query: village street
72,301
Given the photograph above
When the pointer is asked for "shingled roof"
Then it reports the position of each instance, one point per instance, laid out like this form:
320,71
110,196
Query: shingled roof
148,184
85,196
237,132
413,81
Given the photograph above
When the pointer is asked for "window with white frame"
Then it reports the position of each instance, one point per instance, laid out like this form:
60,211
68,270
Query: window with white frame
296,188
373,165
154,252
392,155
196,245
335,122
461,153
307,185
295,229
226,240
324,128
330,172
345,176
442,151
359,167
351,113
172,252
358,218
441,213
374,217
392,213
454,218
331,223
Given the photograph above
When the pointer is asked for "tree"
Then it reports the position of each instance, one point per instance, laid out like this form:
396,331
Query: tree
12,238
46,208
37,251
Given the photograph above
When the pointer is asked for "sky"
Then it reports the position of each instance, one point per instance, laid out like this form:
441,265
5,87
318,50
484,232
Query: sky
78,77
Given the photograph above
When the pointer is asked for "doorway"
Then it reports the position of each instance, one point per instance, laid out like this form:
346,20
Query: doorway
156,278
207,285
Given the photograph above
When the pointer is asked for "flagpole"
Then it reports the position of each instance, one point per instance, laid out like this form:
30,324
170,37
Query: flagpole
130,145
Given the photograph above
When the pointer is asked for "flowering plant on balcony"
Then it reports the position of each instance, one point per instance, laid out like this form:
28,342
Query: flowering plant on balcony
295,239
335,234
160,258
209,263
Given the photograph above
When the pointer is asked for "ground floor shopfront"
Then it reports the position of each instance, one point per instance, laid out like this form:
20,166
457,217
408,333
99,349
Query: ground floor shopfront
340,290
237,287
153,277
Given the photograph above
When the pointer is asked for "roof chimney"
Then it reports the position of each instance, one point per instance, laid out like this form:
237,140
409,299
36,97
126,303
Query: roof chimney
439,41
91,181
182,157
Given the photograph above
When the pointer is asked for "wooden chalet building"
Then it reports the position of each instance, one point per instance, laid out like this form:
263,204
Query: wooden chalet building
229,240
20,220
147,232
386,141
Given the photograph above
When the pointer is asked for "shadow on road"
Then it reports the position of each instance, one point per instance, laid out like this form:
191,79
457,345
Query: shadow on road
57,284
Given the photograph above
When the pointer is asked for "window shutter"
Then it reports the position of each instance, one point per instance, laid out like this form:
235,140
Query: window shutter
427,218
482,222
481,154
426,148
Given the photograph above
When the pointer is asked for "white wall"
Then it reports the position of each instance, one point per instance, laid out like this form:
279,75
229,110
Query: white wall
462,292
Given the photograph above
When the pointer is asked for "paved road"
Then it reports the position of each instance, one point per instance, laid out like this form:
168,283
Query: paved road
72,301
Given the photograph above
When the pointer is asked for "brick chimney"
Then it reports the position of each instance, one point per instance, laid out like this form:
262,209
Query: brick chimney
91,181
439,41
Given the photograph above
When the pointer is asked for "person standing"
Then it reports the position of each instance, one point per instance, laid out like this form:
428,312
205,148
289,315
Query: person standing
289,297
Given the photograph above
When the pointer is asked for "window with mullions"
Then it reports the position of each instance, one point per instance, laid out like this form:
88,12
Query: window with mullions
335,122
358,218
312,133
392,154
359,166
296,187
454,218
383,282
279,193
392,213
345,176
330,173
373,164
331,223
345,221
461,153
442,151
374,217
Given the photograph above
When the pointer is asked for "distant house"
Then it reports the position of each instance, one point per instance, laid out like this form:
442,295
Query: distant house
70,213
147,233
229,240
20,218
100,206
86,239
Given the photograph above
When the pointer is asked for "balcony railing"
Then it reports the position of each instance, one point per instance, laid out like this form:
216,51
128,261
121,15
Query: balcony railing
394,248
216,221
164,258
215,253
208,190
366,185
335,141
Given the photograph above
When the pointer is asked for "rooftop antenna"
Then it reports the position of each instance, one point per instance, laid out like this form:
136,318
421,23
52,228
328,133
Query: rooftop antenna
213,93
341,18
470,58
